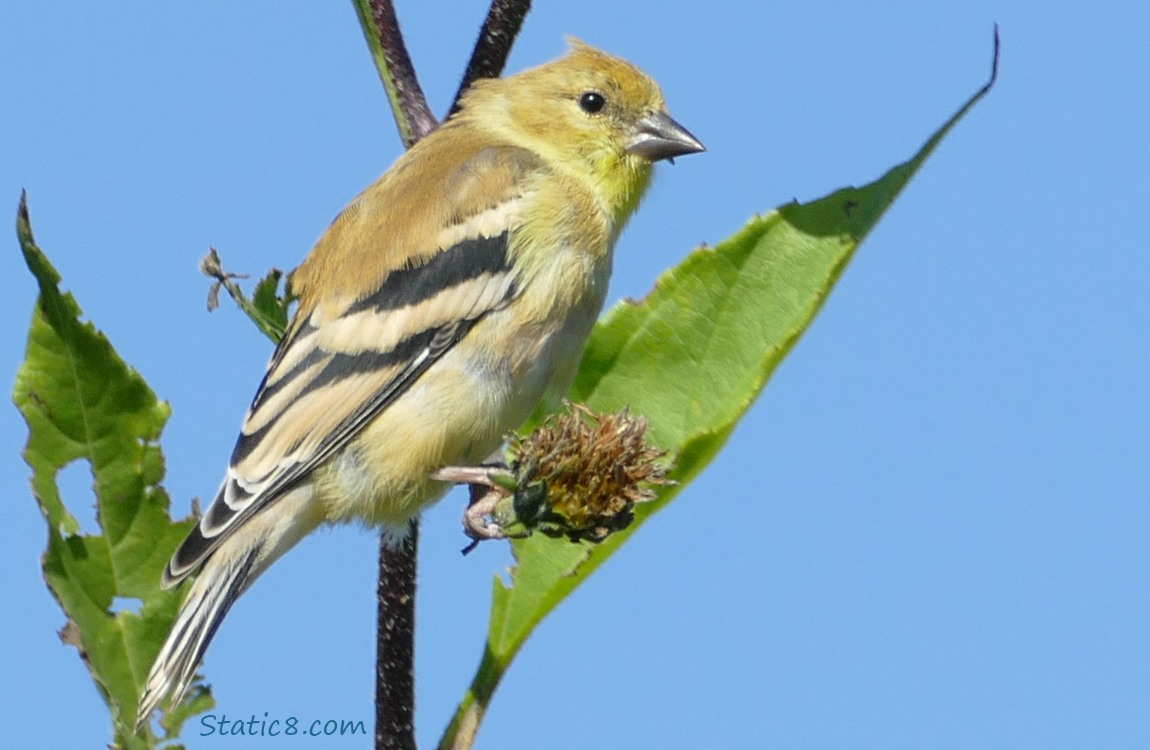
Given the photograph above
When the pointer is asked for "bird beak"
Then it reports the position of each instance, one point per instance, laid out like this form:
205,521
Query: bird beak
660,137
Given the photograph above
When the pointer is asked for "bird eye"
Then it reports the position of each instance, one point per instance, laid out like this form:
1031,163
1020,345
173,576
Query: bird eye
592,102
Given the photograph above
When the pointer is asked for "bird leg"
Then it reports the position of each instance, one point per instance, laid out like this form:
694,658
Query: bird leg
485,494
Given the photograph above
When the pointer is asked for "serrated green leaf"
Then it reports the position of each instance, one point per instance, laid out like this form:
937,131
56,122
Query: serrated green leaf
691,358
271,305
81,402
267,308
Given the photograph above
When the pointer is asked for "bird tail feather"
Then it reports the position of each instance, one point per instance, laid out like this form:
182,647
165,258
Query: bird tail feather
214,591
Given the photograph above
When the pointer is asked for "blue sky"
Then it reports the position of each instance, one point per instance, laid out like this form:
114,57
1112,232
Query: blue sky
932,530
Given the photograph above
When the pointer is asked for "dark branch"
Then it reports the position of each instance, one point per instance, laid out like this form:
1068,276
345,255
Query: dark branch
504,19
416,120
395,638
994,62
395,643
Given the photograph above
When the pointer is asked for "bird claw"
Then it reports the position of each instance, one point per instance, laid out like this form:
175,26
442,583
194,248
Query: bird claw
477,522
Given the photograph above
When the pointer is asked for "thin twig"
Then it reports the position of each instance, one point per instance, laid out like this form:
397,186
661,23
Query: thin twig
395,638
395,591
395,643
413,117
504,19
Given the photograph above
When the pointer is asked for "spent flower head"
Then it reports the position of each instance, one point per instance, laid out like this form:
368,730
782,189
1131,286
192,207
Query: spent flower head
580,474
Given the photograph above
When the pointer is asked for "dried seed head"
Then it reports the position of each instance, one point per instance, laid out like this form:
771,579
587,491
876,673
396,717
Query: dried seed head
580,474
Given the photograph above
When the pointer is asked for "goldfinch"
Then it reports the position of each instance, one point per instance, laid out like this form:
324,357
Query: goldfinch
434,314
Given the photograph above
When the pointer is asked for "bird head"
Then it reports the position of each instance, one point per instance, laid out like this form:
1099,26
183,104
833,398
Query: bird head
590,113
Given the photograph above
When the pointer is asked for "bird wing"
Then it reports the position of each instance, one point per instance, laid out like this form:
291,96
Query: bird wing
359,344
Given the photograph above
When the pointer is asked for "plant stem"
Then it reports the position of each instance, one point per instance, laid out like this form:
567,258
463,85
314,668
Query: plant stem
413,117
504,19
395,636
395,592
395,642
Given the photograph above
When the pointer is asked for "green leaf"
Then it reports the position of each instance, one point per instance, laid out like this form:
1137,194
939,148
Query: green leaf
81,402
268,306
691,358
271,305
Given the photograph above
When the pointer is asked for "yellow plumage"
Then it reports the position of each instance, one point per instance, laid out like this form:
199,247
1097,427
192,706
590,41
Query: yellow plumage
434,314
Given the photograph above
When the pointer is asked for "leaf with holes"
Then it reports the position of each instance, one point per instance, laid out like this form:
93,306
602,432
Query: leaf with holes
82,403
